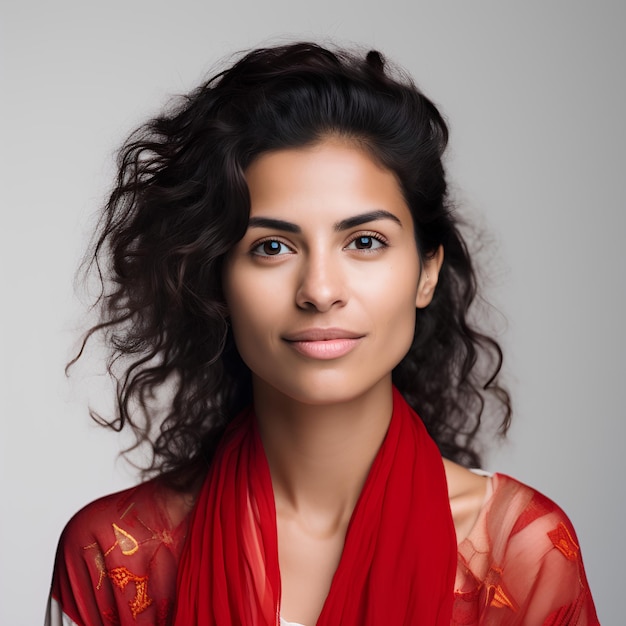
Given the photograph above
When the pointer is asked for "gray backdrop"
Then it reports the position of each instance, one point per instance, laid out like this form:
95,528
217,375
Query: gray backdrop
534,92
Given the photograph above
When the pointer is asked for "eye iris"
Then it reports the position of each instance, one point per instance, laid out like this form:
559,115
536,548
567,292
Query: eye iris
271,247
363,243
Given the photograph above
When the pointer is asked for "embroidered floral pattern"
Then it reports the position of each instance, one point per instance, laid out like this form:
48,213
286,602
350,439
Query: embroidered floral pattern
121,577
564,542
127,543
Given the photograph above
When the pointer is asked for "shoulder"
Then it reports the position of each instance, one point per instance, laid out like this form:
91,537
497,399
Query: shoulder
147,505
517,512
116,548
517,519
501,507
522,555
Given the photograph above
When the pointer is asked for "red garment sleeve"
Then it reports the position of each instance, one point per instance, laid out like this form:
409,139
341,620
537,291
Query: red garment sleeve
117,559
73,584
522,565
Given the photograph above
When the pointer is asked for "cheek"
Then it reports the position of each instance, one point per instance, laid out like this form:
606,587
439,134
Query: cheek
241,321
402,323
252,316
394,303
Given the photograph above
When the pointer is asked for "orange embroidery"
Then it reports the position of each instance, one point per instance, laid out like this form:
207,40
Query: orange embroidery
564,542
128,508
499,598
102,572
125,541
496,595
99,563
121,577
165,536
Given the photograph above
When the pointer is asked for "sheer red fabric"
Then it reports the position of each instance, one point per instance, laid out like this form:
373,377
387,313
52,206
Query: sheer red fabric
521,564
399,556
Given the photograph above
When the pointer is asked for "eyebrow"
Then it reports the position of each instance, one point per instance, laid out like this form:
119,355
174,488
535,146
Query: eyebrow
349,222
364,218
268,222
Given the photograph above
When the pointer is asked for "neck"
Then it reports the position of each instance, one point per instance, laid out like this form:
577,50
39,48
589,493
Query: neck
319,455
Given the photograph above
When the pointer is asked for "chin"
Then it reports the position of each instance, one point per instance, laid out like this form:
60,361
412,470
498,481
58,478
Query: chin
329,389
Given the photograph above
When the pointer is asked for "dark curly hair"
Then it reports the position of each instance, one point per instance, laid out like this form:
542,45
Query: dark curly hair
181,203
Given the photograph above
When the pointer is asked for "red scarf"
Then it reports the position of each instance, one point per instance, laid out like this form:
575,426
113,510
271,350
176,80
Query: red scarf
399,557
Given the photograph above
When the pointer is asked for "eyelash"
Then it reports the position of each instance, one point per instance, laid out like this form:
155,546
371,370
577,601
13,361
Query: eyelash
369,235
255,247
254,250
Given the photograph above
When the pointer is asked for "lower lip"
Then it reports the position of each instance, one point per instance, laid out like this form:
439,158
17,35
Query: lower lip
324,350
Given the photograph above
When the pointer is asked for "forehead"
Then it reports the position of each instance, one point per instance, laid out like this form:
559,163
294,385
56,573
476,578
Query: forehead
335,177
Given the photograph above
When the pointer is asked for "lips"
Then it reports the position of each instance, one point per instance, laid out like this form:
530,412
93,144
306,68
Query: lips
322,334
324,343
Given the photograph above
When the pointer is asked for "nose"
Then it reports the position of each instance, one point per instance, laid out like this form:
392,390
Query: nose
321,284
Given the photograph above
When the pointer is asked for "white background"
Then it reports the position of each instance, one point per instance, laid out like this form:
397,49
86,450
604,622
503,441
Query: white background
535,95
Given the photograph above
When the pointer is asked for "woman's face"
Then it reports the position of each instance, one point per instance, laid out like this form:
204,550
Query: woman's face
322,289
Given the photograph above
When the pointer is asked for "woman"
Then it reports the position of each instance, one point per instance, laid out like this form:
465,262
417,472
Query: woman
285,290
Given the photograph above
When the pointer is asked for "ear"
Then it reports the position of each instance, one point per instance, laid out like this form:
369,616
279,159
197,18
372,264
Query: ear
428,278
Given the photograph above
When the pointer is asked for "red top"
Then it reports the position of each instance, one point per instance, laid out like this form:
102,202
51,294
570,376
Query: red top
117,561
118,558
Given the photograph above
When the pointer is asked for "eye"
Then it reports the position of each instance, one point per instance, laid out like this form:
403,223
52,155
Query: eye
270,247
366,242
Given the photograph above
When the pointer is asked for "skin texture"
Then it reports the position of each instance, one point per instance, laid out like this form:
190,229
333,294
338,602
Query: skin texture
330,245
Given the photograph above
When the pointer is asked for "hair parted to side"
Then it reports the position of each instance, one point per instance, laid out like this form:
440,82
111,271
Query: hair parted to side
181,203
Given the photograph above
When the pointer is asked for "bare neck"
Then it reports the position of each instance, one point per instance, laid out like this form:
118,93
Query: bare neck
319,455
